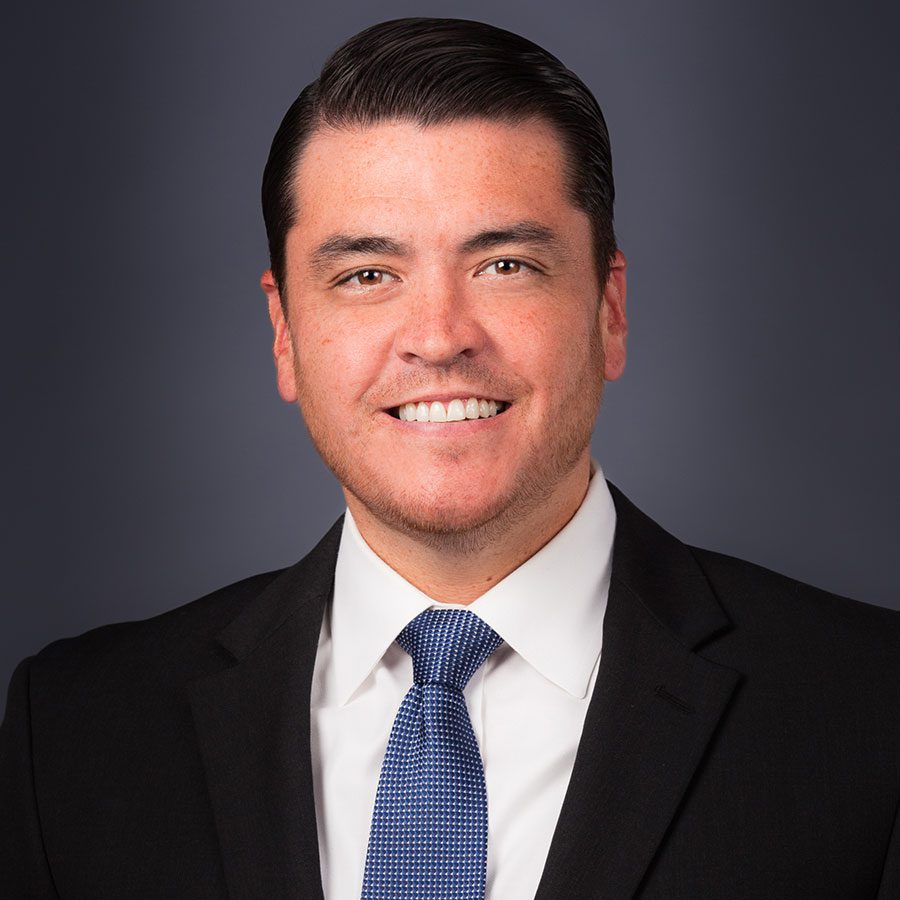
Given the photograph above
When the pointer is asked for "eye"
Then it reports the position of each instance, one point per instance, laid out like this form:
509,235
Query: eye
367,278
506,266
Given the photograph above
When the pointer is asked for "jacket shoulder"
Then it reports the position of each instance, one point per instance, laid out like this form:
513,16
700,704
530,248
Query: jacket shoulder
165,643
748,581
782,614
131,662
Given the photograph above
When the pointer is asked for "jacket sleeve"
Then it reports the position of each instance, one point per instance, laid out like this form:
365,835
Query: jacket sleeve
889,889
24,871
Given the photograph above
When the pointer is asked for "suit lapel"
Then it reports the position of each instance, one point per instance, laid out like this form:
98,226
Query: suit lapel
655,706
252,721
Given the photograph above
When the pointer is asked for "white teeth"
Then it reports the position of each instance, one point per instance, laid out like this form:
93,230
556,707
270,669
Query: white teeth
454,411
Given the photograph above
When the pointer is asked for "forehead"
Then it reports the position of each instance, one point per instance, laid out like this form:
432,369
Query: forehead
455,174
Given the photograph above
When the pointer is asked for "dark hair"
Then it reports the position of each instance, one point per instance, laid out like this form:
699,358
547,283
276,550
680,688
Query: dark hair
434,71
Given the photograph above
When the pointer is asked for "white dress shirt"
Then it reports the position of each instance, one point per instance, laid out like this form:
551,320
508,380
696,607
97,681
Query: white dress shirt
527,703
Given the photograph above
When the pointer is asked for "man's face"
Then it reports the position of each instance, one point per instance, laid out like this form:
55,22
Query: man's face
434,265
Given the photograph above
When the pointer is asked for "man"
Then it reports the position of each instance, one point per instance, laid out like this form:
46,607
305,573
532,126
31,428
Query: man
494,676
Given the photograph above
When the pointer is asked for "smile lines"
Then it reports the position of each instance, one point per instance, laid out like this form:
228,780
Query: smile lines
454,411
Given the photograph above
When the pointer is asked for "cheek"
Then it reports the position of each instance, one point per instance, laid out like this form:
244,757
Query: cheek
542,346
341,358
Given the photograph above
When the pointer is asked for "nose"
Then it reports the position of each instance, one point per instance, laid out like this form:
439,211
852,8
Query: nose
438,327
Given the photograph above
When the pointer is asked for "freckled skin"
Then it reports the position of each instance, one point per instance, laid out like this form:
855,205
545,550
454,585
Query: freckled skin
437,319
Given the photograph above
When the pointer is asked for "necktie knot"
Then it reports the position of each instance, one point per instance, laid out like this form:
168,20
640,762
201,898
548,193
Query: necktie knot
447,646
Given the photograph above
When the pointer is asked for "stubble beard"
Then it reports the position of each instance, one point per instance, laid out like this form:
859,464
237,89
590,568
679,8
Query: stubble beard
445,530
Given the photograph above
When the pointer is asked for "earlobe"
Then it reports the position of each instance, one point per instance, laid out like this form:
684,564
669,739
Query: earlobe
283,344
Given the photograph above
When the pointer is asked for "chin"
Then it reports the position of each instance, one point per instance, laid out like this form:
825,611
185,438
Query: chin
448,520
459,529
419,514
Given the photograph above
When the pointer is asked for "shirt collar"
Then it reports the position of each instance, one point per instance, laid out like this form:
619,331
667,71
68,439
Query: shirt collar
549,610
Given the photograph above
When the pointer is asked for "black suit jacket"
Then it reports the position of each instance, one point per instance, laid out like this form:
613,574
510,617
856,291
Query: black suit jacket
742,741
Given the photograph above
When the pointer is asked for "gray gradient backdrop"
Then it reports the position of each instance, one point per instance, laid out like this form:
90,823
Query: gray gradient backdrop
149,458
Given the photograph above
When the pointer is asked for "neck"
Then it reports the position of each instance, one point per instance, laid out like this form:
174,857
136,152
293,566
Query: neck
460,568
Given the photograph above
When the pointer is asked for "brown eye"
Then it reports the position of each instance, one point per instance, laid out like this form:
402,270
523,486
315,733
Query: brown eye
506,267
369,276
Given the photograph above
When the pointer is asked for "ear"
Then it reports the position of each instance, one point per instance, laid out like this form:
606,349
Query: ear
283,346
613,324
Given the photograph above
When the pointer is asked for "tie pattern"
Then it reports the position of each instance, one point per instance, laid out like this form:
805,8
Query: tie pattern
428,839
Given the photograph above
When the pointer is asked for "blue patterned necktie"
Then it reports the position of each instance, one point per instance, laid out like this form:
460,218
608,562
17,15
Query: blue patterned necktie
428,839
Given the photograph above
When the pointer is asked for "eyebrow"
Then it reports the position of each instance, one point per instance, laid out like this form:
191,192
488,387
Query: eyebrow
527,232
340,245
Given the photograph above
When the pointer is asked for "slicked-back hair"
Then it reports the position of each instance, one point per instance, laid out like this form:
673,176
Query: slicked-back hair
436,71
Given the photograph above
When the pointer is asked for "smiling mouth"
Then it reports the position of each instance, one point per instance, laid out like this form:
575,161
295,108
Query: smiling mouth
453,411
